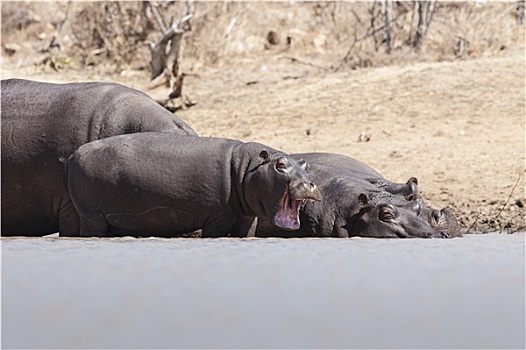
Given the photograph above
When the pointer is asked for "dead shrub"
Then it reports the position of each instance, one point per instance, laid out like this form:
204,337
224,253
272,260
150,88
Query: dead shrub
350,34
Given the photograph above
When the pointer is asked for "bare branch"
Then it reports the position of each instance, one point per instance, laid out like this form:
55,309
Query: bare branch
425,10
166,66
387,15
507,200
57,39
158,51
158,18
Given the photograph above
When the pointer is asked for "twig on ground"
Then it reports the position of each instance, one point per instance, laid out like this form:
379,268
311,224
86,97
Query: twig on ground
473,224
507,200
294,59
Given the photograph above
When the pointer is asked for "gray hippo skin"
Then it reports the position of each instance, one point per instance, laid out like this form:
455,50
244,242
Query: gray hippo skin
352,207
42,125
156,184
344,165
443,220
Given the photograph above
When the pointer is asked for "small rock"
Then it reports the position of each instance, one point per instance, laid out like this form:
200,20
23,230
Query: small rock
273,38
395,154
11,48
364,137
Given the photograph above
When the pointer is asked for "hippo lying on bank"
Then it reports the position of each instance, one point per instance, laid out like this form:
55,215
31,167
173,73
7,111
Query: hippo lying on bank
344,165
42,125
156,184
442,220
351,207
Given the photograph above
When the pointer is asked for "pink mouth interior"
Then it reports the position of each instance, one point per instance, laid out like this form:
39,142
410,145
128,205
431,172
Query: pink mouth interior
287,215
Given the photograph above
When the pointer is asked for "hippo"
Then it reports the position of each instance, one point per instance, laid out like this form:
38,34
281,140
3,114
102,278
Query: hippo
42,125
345,165
353,207
443,220
157,184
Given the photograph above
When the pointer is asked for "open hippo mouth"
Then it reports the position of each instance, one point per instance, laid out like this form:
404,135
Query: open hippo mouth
287,215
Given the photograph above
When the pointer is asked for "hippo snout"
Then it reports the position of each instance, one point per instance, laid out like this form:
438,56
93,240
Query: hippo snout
443,235
439,234
444,221
305,190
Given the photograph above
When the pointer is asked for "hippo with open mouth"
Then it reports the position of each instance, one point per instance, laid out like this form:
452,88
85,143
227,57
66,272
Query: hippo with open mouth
353,207
156,184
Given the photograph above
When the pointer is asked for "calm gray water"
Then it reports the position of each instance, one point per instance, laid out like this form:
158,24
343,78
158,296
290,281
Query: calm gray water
264,293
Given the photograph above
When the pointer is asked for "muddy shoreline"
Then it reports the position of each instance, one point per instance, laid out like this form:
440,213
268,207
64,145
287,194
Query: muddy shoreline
456,126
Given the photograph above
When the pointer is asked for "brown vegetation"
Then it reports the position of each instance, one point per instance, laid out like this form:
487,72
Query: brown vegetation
334,34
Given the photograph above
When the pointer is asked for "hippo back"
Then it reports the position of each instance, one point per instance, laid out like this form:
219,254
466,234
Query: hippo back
161,184
339,161
43,124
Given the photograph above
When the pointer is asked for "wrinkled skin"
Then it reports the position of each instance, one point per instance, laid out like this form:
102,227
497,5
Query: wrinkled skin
42,125
354,207
156,184
441,220
344,165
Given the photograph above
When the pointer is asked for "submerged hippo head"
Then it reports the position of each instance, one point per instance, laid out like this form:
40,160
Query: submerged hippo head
277,187
443,220
391,219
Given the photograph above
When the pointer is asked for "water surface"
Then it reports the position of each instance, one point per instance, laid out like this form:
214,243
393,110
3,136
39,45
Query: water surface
264,293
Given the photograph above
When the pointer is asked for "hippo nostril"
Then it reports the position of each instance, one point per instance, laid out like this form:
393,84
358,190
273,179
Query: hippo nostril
439,234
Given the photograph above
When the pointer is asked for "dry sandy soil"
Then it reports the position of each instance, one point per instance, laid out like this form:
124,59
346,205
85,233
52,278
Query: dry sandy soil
457,126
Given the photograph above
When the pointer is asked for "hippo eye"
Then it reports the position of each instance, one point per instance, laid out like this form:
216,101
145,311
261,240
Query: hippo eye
281,165
387,213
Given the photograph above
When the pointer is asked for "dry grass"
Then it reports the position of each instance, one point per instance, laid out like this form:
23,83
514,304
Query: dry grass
115,34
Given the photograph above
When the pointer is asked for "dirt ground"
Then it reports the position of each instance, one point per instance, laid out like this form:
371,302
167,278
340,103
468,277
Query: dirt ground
457,126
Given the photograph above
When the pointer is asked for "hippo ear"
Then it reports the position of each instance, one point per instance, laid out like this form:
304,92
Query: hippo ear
412,179
415,192
303,164
363,199
264,154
